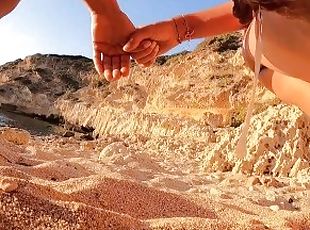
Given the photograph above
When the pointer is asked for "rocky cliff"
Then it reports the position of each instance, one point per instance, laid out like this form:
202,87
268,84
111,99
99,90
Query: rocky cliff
200,97
32,85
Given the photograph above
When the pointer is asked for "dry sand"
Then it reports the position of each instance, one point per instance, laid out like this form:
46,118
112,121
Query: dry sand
63,183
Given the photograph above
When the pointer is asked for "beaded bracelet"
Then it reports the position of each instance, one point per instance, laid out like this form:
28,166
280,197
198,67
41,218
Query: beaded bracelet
188,32
177,29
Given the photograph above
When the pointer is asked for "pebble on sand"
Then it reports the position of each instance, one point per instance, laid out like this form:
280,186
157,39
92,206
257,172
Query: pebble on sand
253,181
274,208
215,192
8,186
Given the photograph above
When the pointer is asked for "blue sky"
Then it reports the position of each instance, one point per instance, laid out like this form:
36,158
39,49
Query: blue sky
63,26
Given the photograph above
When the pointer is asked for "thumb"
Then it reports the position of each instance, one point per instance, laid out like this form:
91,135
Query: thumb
135,40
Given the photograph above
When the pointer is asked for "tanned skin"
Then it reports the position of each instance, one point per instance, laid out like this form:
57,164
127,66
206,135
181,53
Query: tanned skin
6,6
205,23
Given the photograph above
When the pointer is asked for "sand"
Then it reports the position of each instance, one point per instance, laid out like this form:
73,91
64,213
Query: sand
65,183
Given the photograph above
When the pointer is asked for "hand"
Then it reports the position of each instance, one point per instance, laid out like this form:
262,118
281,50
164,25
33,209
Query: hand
163,34
110,34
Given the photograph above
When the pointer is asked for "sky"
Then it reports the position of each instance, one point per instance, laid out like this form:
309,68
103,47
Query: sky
63,26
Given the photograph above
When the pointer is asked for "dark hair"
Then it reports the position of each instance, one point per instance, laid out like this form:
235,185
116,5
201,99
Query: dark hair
243,9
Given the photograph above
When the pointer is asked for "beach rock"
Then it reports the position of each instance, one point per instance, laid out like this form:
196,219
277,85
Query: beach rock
274,208
68,134
273,182
251,181
16,136
271,196
222,43
277,145
8,185
214,120
33,84
215,192
115,153
88,145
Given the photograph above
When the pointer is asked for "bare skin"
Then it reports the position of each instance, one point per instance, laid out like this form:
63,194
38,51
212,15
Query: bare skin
205,23
287,73
108,37
7,6
109,34
287,61
111,29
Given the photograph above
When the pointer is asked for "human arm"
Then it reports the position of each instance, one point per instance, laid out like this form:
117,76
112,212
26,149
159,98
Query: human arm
214,21
110,29
103,7
6,6
211,22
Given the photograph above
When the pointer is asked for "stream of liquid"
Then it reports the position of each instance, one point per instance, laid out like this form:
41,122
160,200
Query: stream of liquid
241,149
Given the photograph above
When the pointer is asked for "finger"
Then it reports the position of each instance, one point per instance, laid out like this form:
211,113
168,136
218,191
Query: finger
148,64
145,52
98,62
102,64
107,49
150,57
116,66
136,38
107,66
125,65
143,46
116,74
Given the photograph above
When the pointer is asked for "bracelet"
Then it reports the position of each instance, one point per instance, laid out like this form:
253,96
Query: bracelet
177,29
188,31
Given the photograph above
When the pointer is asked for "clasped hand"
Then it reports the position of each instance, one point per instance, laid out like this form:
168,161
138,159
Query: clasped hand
116,39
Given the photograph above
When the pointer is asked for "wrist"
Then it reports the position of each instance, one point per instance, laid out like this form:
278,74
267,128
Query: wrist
110,13
103,7
184,31
172,30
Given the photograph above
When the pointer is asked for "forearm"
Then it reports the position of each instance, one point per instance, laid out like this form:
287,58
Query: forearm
6,6
103,7
215,21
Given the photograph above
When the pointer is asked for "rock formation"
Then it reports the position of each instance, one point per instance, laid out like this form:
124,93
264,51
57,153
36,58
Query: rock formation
163,156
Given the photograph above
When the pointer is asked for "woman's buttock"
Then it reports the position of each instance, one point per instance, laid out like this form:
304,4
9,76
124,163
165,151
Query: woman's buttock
286,45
